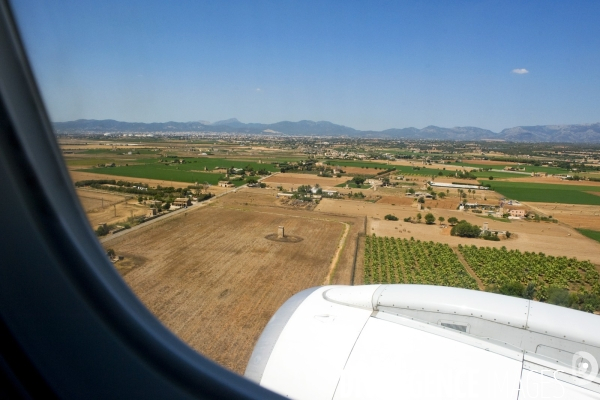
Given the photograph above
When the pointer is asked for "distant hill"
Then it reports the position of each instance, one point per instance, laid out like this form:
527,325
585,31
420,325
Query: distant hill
584,133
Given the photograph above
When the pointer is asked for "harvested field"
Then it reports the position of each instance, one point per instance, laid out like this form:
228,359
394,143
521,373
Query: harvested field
489,162
91,199
574,215
215,281
114,213
82,176
552,239
289,179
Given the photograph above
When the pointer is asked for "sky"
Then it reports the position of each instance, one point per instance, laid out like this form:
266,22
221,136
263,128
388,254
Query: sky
370,65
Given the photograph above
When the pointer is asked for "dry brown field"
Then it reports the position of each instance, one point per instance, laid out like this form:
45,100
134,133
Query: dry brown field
549,238
290,179
117,209
213,278
92,199
489,162
81,176
574,215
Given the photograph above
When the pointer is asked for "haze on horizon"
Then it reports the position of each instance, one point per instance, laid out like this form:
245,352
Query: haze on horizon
366,65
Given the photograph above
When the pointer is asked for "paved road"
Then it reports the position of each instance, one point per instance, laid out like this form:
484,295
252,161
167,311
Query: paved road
174,213
165,216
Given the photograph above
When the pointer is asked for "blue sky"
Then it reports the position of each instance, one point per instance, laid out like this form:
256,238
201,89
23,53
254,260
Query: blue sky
365,64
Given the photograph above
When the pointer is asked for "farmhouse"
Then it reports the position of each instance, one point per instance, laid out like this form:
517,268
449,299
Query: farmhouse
515,212
374,182
182,202
225,184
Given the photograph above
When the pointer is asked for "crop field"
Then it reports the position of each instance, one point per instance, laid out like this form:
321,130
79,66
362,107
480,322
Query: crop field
92,200
526,168
391,260
360,164
163,172
590,233
215,280
548,193
500,266
395,260
191,171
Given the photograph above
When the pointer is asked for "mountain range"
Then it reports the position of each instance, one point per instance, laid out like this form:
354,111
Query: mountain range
581,133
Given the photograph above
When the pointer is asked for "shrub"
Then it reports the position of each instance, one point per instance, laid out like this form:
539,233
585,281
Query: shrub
391,217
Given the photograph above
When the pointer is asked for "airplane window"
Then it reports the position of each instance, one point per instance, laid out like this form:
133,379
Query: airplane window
416,173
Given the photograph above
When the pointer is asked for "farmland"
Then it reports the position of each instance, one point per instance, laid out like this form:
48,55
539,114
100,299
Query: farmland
500,266
390,260
190,170
213,278
549,193
394,260
162,172
595,235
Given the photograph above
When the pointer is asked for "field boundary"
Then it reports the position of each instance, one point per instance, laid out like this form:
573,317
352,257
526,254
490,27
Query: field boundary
336,256
470,271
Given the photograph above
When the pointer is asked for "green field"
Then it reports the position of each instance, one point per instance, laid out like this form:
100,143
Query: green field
548,193
162,172
590,233
358,164
353,185
191,171
392,260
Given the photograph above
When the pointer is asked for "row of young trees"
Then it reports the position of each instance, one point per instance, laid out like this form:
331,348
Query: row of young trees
391,260
559,280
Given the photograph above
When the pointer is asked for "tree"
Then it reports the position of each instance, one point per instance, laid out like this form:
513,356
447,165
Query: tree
491,178
411,191
391,217
419,216
251,181
453,220
358,180
441,219
421,200
465,229
442,195
429,219
102,230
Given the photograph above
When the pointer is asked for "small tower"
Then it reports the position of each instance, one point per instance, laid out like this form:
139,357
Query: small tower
280,233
